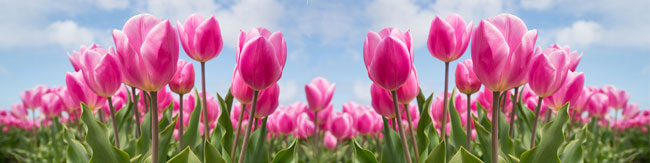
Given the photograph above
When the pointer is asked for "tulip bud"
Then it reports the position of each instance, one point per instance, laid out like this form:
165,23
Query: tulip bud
329,140
201,38
183,80
466,80
261,57
548,72
388,57
319,93
340,124
448,39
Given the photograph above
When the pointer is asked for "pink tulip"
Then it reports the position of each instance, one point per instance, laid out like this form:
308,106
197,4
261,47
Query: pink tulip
502,50
388,57
76,58
19,111
319,93
101,71
119,100
382,101
236,111
436,110
267,101
305,126
529,98
183,80
213,109
147,49
52,105
570,90
201,39
240,89
329,140
578,104
409,90
448,39
340,124
485,98
32,97
80,91
412,110
70,104
617,97
261,56
363,122
598,105
573,55
548,71
630,111
285,123
466,80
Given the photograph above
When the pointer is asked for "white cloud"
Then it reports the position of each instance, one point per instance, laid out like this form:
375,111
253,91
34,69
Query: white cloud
537,4
113,4
580,34
288,90
69,34
361,91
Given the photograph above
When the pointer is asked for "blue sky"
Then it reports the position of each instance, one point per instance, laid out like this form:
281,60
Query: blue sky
325,38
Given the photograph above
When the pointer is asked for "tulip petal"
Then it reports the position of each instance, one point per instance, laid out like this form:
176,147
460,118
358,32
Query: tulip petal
160,55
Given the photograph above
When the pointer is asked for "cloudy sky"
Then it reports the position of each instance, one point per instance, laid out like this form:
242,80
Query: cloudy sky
325,38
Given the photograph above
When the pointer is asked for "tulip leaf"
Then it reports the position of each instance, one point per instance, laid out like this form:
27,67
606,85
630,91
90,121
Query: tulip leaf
225,126
166,137
573,152
437,154
464,156
423,125
144,142
287,155
458,135
103,150
76,152
212,154
525,118
362,155
485,139
192,135
257,150
186,156
420,99
391,150
551,139
228,100
124,120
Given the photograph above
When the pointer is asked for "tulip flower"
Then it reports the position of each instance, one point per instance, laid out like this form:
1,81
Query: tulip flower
629,112
340,125
409,90
19,111
263,106
381,101
147,47
284,122
79,91
182,83
598,105
570,90
32,97
240,89
201,38
330,140
261,56
466,80
52,105
573,55
305,126
617,97
448,39
319,93
388,57
579,103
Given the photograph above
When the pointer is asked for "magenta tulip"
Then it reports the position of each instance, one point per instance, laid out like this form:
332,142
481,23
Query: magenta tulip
240,89
598,105
363,122
382,101
52,105
630,111
101,71
448,39
570,90
76,59
617,97
502,50
409,90
330,140
388,57
213,110
183,80
201,38
340,125
319,93
285,122
578,104
305,126
548,71
267,101
261,56
466,80
32,97
19,111
79,90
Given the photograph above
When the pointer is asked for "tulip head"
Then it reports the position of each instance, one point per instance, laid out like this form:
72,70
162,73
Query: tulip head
200,38
240,90
319,93
79,91
340,124
305,126
448,38
598,105
617,97
101,71
382,101
329,140
569,91
183,80
548,72
466,80
261,56
267,101
32,97
409,90
630,111
52,105
388,57
574,57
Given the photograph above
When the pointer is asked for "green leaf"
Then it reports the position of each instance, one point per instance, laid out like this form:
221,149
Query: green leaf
212,154
287,155
186,156
362,155
420,99
225,126
573,152
192,137
438,154
228,100
425,123
257,150
103,150
551,139
76,152
484,137
124,120
391,150
166,137
463,156
144,142
458,135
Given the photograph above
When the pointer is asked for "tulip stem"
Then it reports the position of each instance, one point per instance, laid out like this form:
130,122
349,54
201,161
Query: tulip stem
513,112
378,145
444,108
134,102
532,139
387,135
154,126
415,146
495,126
316,136
116,133
468,125
261,136
206,125
273,137
242,154
180,127
398,116
241,117
101,115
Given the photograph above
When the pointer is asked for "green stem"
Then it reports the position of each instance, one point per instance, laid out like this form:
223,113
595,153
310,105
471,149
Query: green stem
154,126
513,112
316,137
468,126
387,135
444,107
234,145
534,133
398,116
180,127
206,124
116,131
495,127
415,144
134,102
242,154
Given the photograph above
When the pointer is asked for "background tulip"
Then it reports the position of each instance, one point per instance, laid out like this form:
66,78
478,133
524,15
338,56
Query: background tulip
305,127
630,111
267,101
617,97
183,80
598,105
382,101
570,89
448,39
388,57
340,125
240,89
101,71
79,90
409,90
329,140
18,111
319,93
548,72
201,38
261,57
52,105
32,97
466,80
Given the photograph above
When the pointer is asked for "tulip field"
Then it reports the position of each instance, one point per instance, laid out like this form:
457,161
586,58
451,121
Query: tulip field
513,101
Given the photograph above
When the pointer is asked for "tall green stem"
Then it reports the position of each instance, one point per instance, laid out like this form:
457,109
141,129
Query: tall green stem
398,116
513,112
242,154
444,107
116,133
206,126
241,117
154,126
415,144
134,102
316,133
180,127
495,127
468,126
534,133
